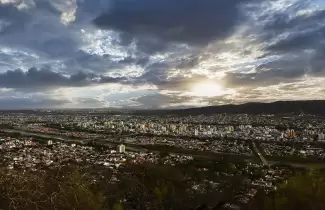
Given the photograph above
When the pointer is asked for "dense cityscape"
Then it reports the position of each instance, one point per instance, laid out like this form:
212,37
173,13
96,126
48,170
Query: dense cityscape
261,151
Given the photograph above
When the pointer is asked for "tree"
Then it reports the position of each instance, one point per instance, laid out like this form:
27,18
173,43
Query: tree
118,206
303,191
64,188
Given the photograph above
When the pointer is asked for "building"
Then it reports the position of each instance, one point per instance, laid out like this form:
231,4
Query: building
196,132
290,133
121,148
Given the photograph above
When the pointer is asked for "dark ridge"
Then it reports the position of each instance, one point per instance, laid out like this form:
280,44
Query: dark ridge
315,107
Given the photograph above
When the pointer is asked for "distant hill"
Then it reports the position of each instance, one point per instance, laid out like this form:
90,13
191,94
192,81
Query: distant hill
316,107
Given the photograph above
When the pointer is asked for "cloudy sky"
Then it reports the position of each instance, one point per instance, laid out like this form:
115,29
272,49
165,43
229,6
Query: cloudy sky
159,53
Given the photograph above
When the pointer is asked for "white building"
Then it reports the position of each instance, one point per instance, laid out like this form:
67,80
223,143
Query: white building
196,132
121,148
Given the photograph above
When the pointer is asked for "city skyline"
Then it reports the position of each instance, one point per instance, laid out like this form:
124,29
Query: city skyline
159,53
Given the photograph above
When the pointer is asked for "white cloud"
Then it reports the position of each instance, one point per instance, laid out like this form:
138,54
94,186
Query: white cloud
68,10
20,4
100,42
68,17
10,1
126,71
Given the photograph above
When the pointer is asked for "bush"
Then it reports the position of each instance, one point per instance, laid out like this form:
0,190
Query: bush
303,191
65,188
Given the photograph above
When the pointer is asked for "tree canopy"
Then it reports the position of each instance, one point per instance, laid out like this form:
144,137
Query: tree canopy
304,191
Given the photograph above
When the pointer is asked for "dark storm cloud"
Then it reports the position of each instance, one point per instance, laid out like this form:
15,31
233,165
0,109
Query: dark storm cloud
106,79
37,29
271,73
9,60
299,41
57,46
141,61
283,22
46,6
150,45
154,74
308,52
287,69
300,49
303,31
124,39
16,19
35,78
82,61
189,62
88,9
189,21
271,77
317,62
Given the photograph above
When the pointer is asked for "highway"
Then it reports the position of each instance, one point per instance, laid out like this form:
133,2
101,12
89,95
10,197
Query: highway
46,136
259,154
71,140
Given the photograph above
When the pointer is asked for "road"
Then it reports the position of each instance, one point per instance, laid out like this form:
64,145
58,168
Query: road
259,154
71,140
46,136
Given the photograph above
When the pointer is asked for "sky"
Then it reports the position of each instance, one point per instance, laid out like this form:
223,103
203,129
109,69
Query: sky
153,54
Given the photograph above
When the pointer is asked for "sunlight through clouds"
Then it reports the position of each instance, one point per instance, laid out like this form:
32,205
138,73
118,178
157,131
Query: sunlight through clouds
103,53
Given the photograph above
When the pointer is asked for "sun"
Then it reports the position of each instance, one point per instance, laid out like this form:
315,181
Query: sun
207,89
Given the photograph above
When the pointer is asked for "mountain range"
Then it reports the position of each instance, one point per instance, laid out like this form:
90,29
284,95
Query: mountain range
316,107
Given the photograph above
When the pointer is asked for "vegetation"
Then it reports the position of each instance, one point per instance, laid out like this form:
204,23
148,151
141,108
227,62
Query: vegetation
295,159
306,190
137,186
196,153
64,188
151,186
5,126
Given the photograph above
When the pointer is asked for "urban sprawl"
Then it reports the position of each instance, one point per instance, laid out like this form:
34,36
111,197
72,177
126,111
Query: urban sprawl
257,144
